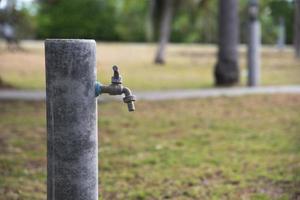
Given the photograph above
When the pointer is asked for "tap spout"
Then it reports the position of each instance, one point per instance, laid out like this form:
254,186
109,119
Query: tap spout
126,91
129,99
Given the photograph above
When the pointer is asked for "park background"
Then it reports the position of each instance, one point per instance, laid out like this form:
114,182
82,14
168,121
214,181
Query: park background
213,148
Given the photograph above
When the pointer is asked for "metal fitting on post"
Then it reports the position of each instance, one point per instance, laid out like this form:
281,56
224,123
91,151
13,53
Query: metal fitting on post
116,78
129,99
97,88
116,88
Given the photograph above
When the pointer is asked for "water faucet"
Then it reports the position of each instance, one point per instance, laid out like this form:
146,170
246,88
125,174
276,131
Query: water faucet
116,88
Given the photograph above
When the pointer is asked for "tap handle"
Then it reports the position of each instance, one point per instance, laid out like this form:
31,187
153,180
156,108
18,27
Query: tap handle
116,78
116,71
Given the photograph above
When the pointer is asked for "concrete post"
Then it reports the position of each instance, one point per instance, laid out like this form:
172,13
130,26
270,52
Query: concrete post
254,44
71,120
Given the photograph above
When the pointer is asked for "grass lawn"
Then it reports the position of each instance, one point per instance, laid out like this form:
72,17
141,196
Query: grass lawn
216,148
188,66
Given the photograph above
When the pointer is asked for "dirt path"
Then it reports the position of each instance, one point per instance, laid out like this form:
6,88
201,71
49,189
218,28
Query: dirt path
39,95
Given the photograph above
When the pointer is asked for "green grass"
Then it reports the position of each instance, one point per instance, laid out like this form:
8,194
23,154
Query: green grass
216,148
188,66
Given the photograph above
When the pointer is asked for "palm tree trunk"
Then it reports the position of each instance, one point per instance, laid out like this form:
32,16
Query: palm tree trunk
227,70
297,29
165,28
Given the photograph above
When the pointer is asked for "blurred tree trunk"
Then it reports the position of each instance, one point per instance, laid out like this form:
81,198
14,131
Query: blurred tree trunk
227,70
281,38
165,29
150,20
297,28
9,27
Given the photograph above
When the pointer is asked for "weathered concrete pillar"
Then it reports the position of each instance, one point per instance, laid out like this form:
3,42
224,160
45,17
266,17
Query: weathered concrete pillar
254,44
71,120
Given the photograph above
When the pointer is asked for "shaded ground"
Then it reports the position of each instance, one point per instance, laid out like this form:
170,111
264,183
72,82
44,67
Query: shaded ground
216,148
188,66
4,85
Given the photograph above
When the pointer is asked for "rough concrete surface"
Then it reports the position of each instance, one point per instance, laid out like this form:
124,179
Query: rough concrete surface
71,120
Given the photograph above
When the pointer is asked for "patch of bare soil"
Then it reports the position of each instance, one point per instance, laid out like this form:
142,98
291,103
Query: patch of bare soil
274,190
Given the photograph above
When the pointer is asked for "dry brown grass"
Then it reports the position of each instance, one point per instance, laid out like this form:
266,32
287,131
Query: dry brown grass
188,66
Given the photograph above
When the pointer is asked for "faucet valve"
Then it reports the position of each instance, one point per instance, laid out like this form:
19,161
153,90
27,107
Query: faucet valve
116,88
116,78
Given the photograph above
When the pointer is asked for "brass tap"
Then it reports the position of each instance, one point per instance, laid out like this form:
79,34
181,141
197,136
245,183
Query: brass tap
116,88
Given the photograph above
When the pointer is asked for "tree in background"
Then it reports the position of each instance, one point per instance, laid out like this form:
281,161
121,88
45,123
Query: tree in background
297,28
227,69
193,21
79,19
165,29
112,20
281,38
150,20
282,9
8,25
16,23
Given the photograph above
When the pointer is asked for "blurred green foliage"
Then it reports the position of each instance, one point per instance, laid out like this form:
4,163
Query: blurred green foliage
286,10
125,20
23,21
105,20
